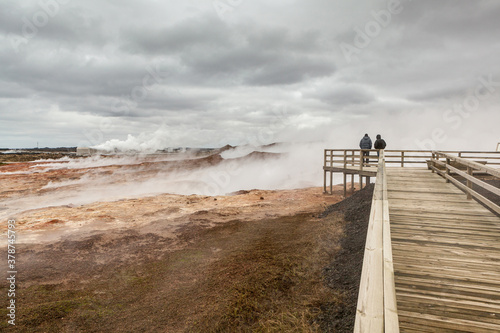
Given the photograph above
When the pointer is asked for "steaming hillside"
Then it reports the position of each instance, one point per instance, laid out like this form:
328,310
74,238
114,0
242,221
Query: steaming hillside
77,181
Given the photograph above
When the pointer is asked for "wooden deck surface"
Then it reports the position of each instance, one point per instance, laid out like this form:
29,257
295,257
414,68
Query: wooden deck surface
446,253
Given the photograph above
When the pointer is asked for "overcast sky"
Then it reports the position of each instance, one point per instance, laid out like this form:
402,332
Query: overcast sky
424,74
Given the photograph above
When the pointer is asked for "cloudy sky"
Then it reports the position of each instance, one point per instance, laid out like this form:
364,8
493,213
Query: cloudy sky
424,74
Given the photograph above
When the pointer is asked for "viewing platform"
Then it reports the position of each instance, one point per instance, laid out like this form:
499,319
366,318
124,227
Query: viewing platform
351,162
432,255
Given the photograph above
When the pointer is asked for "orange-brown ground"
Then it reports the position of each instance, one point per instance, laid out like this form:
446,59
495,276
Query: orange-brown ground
249,261
164,214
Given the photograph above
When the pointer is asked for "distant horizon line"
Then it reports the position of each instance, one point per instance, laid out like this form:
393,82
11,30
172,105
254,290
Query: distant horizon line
166,148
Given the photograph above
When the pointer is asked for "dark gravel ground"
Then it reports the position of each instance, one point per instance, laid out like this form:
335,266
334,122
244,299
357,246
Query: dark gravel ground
344,272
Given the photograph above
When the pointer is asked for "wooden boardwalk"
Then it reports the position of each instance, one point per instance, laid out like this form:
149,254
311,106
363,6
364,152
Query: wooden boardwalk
446,255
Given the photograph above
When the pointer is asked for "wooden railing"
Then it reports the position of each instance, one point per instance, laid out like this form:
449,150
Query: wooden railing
450,166
400,158
376,309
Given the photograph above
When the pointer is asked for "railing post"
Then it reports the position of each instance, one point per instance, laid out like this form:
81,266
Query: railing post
469,183
352,157
324,181
324,171
345,185
448,162
331,182
402,159
361,159
345,159
433,165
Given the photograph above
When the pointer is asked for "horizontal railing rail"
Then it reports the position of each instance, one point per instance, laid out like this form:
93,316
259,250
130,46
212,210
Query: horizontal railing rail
450,167
402,158
354,161
376,308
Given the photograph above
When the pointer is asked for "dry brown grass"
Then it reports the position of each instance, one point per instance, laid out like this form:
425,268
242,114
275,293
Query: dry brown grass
259,276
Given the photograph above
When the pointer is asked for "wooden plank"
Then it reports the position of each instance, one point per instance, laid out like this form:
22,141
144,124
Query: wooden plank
448,271
439,301
447,294
485,285
471,284
444,249
453,233
442,322
445,256
451,312
438,217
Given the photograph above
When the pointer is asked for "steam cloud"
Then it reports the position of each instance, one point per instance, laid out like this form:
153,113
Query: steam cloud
109,178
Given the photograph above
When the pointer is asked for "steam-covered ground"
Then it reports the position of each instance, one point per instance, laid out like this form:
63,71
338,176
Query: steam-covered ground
228,241
76,196
80,181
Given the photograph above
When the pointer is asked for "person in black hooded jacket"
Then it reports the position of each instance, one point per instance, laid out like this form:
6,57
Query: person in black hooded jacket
379,144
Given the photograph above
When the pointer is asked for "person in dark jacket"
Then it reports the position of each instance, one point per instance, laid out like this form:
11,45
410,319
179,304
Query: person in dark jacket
366,143
379,144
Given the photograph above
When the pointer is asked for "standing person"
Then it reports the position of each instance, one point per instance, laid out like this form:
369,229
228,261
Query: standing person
366,143
379,144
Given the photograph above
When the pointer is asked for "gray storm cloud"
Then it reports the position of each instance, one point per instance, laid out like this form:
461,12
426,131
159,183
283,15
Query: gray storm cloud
92,72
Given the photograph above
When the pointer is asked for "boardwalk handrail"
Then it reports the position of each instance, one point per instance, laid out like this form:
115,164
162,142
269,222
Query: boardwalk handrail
353,157
376,308
352,161
453,164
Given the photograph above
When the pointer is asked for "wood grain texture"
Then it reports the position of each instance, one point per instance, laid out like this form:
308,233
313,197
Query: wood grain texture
377,306
446,255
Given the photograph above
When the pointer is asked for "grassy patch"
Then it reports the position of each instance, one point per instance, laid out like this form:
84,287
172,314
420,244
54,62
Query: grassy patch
47,306
260,276
274,284
83,307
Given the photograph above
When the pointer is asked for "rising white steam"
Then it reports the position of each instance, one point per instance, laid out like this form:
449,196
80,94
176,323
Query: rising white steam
101,178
